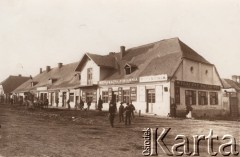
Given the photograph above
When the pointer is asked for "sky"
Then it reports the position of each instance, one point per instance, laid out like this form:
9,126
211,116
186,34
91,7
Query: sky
37,33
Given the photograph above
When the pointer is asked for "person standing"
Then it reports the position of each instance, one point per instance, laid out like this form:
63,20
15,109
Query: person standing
68,103
112,111
88,105
57,101
121,111
128,114
100,102
81,104
132,110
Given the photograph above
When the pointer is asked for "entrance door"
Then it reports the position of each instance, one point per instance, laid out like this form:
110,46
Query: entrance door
234,106
150,100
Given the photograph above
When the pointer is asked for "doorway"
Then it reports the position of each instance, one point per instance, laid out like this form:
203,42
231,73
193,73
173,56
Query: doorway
150,100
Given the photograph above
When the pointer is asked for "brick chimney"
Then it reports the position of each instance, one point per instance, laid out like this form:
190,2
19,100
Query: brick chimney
122,51
48,68
40,70
60,65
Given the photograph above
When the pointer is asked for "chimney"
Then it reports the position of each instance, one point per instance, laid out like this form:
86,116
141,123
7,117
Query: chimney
234,78
20,75
48,68
40,70
122,51
60,65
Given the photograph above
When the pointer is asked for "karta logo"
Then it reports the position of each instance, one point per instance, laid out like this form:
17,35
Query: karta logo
152,142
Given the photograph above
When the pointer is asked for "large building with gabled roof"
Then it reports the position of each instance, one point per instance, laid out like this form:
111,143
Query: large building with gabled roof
153,77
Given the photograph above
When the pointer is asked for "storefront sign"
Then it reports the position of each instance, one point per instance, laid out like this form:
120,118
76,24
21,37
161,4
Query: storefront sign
196,85
120,81
42,88
154,78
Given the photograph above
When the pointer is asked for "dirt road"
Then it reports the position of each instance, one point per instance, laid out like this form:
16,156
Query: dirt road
62,133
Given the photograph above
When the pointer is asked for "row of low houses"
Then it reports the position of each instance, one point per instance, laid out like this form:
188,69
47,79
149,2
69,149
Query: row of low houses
155,77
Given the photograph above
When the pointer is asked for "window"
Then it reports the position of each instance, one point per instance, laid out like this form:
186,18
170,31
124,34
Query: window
213,98
190,97
89,76
151,96
105,96
120,94
133,93
191,69
177,95
202,98
71,97
126,96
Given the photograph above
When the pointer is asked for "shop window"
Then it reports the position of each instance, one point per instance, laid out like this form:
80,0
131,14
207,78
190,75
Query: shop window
89,76
151,96
71,97
133,93
213,98
190,97
105,96
177,95
126,96
202,98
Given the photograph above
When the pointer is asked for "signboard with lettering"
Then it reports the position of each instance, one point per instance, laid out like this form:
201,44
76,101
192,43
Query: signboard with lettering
196,85
41,88
153,78
120,81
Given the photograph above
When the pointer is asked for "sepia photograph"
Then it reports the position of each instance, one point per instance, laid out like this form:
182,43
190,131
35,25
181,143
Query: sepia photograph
119,78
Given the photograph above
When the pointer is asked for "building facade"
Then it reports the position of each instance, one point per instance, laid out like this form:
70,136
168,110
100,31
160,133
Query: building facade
153,77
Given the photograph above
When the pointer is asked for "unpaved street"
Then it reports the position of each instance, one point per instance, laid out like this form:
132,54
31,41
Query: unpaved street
62,133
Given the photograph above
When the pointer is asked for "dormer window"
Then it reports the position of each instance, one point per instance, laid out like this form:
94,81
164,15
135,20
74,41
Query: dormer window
129,68
51,80
33,83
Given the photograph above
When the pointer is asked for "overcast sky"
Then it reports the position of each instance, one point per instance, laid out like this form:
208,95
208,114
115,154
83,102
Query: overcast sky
37,33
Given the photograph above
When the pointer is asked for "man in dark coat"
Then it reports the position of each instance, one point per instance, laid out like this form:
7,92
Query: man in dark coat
121,111
112,111
100,102
132,110
81,104
128,114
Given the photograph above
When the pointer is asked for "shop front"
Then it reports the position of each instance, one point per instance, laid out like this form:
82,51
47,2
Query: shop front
205,99
149,94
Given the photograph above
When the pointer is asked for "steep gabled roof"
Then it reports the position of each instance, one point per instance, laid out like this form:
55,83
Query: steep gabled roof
228,83
101,60
162,57
12,82
63,77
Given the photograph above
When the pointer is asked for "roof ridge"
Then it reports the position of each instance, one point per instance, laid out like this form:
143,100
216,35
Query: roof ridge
135,47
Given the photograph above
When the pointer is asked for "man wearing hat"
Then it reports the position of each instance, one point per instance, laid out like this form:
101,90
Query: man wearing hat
121,111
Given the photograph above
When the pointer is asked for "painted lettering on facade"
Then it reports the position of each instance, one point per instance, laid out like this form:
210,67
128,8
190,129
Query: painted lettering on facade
153,78
196,85
120,81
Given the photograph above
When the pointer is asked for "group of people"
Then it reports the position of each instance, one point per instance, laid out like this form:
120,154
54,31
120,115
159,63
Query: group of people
128,110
